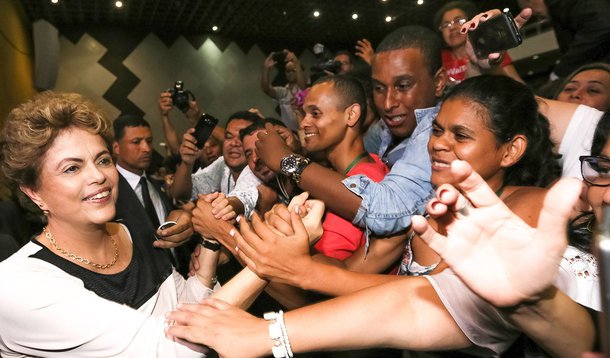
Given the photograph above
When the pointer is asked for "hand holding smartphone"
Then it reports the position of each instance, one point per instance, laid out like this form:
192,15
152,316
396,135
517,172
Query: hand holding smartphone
497,34
204,128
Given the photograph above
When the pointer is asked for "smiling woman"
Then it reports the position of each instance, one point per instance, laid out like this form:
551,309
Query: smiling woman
56,148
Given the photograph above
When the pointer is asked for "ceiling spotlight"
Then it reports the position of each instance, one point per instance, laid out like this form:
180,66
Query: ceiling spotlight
506,9
388,18
118,4
384,0
420,2
214,28
54,1
354,16
316,13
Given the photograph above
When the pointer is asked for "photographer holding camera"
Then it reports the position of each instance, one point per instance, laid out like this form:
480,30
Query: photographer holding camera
183,100
290,64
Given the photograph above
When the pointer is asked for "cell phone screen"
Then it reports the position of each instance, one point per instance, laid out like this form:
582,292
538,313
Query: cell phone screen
497,34
204,128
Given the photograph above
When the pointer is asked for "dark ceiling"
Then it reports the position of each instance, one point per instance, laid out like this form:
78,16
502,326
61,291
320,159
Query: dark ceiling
266,22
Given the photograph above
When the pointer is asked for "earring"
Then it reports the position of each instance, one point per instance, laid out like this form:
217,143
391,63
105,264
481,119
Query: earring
45,213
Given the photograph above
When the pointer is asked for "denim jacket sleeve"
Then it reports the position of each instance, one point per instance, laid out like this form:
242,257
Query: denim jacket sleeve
387,206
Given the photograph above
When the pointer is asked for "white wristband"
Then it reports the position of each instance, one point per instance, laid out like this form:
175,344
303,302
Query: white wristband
279,335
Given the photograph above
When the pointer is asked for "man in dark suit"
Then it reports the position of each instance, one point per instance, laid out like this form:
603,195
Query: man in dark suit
142,202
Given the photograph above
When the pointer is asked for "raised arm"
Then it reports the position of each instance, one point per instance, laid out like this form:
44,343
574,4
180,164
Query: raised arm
265,83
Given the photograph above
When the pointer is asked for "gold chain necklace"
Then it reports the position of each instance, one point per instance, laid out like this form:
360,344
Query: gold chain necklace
82,259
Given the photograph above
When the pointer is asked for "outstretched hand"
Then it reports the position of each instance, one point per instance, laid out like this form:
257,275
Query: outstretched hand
494,252
271,254
216,324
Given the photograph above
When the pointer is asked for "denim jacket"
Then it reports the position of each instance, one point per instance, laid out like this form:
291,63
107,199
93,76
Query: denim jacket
387,206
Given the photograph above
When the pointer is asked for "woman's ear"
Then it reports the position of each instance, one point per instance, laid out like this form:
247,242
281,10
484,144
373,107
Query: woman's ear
352,114
33,195
514,150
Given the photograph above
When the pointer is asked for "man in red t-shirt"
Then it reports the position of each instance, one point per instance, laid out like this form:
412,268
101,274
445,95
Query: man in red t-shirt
335,108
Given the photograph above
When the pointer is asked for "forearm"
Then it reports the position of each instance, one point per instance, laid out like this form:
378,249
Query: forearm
182,186
382,253
331,279
289,296
325,184
342,323
265,84
558,324
171,136
236,204
242,289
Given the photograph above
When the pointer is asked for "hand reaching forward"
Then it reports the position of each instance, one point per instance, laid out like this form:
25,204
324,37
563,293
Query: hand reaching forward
494,252
364,50
269,253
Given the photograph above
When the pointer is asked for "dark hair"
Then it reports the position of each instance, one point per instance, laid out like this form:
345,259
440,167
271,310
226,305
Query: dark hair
512,109
469,8
590,66
274,121
127,120
579,234
250,129
418,37
349,90
245,115
352,58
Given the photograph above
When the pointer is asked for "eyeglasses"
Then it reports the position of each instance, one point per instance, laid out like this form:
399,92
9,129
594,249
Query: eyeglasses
457,21
595,170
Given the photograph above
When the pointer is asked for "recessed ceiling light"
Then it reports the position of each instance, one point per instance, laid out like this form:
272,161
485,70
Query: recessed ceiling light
54,1
384,0
214,28
118,4
388,18
316,13
535,57
354,16
420,2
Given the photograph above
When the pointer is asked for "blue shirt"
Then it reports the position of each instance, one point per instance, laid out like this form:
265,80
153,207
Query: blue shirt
387,206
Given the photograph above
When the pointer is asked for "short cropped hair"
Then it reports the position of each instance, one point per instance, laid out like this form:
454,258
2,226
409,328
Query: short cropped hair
245,115
350,91
469,9
418,37
127,120
31,129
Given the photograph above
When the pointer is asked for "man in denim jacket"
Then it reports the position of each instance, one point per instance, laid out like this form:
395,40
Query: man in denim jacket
408,79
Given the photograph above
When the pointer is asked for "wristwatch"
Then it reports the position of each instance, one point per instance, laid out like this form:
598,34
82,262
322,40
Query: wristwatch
212,245
293,165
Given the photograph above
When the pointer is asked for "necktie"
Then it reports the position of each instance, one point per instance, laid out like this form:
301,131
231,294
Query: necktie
148,205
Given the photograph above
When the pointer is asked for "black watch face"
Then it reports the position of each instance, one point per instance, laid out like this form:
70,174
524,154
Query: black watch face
289,164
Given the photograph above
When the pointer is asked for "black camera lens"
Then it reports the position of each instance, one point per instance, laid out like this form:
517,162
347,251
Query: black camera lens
180,97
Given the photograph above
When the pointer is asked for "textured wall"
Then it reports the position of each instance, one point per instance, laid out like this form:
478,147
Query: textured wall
124,72
16,57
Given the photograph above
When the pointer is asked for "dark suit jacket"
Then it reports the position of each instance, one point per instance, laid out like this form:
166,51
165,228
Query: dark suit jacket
130,210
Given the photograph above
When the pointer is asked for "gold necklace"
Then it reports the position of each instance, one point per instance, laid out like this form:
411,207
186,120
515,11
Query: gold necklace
82,259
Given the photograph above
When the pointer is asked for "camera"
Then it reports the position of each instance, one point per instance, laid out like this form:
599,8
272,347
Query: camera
494,35
329,65
180,96
279,57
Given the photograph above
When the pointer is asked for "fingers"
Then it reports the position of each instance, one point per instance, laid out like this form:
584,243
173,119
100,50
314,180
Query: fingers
298,200
436,241
472,185
523,17
556,210
297,224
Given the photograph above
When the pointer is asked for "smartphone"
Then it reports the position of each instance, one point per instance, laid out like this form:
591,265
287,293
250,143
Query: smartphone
204,128
495,35
602,247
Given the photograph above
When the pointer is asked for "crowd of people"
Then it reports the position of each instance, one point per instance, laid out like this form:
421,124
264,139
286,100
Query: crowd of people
415,198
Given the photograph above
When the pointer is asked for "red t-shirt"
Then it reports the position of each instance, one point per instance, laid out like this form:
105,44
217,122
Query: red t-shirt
456,67
341,238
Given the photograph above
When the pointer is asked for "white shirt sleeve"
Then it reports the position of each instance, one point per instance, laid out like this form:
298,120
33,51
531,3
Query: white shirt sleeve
577,139
246,190
209,178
